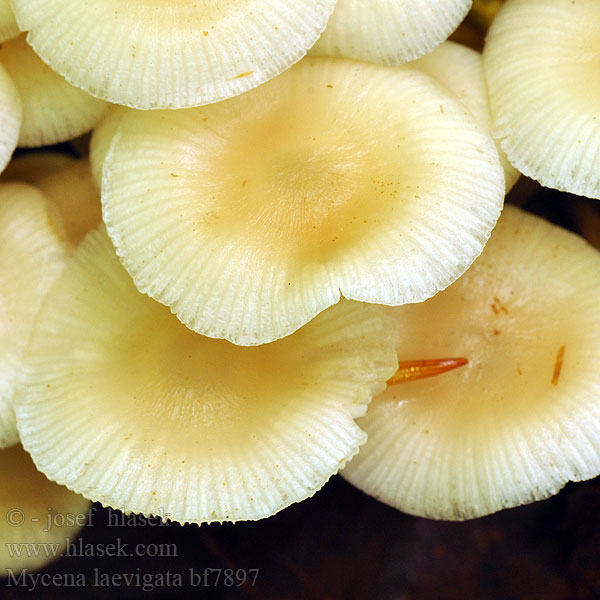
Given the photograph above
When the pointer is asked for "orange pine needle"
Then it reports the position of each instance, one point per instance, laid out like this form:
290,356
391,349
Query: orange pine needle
411,370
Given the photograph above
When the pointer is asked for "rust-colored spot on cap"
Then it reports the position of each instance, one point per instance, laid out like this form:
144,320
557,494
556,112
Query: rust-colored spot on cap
560,356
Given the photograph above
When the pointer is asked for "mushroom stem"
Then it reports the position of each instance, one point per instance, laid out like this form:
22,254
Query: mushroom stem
410,370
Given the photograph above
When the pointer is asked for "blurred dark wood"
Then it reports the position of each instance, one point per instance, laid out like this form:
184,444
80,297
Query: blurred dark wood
341,544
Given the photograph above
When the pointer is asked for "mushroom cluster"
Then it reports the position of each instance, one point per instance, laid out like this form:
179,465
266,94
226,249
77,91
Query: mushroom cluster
275,267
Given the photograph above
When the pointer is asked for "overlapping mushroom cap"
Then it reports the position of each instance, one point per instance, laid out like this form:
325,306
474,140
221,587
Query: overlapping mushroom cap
53,110
522,418
39,518
460,69
31,257
8,25
250,216
149,54
11,115
160,417
101,139
389,32
542,62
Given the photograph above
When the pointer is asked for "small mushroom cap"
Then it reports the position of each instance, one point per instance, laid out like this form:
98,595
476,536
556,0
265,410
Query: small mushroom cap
215,49
160,417
8,24
31,257
523,417
75,194
102,137
11,115
33,166
34,511
53,110
249,217
460,69
389,32
541,61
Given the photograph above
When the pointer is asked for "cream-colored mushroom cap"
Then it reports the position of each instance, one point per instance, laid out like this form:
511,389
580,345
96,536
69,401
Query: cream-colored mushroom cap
53,110
522,418
542,61
160,54
75,194
460,69
11,115
34,166
101,139
125,405
8,25
39,518
389,32
251,216
31,257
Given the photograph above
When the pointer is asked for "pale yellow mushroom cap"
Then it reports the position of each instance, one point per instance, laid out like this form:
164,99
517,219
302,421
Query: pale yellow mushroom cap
249,217
125,405
101,139
460,69
31,257
522,418
53,110
542,63
389,32
11,115
163,54
38,519
8,25
75,194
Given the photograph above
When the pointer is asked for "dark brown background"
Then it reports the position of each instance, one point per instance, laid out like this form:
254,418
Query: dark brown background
343,544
